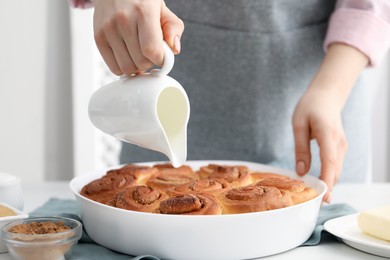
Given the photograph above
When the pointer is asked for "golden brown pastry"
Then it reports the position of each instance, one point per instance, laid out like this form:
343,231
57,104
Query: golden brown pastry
168,168
138,172
210,186
103,190
299,192
190,204
166,179
304,195
139,198
235,175
253,199
213,189
258,176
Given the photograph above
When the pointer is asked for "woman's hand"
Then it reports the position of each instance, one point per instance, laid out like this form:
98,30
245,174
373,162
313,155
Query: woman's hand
129,33
318,113
317,116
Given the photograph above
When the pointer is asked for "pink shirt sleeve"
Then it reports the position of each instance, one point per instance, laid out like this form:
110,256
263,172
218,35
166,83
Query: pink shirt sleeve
363,24
81,3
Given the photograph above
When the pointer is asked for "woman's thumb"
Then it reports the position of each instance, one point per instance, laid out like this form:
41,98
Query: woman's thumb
172,27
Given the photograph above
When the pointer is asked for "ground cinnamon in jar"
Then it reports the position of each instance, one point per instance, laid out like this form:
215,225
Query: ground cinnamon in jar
5,212
39,228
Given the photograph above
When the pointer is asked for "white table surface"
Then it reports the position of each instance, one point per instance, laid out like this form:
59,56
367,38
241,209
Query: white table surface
359,196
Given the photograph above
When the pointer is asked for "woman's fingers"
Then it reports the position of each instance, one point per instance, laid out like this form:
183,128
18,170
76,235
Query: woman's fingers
108,55
128,30
150,35
316,117
129,33
333,147
302,146
119,48
173,28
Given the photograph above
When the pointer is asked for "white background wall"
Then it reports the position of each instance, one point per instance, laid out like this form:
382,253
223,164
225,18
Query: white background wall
39,129
22,84
36,90
92,148
378,79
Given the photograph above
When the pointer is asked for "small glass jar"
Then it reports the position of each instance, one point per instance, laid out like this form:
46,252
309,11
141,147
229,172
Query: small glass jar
51,246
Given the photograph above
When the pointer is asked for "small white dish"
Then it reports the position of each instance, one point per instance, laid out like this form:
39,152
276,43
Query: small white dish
346,228
11,190
8,219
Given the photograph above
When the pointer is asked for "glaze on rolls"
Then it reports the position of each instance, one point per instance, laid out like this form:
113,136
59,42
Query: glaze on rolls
139,198
253,199
190,204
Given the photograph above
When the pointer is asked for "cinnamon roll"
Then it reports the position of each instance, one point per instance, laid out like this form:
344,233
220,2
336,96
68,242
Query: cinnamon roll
137,172
258,176
139,198
168,168
166,179
299,192
213,189
103,190
253,199
210,186
190,204
234,175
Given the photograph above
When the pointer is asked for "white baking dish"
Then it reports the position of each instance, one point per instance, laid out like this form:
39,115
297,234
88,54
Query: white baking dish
237,236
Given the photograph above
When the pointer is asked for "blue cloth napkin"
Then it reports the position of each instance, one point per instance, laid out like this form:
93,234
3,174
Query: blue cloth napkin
327,212
88,250
85,249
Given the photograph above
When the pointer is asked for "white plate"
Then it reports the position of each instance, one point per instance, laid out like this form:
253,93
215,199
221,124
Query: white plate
347,229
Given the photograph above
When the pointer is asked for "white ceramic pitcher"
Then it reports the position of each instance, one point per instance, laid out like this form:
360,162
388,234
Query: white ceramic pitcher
150,110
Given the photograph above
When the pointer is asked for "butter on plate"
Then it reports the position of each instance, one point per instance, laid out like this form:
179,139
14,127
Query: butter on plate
376,222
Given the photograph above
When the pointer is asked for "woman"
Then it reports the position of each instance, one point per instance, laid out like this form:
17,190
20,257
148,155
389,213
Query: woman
250,66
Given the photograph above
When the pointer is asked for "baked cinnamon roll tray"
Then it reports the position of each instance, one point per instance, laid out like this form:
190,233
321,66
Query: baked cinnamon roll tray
164,220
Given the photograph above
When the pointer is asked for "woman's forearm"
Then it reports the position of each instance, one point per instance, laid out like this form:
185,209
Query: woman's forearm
339,70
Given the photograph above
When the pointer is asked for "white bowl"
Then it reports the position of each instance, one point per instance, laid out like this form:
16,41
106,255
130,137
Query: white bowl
8,219
11,190
237,236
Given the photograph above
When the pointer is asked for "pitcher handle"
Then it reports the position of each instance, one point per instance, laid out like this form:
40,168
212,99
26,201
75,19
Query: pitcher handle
169,60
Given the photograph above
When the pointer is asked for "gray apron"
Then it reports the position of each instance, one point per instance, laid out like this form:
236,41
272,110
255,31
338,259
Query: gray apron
244,65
